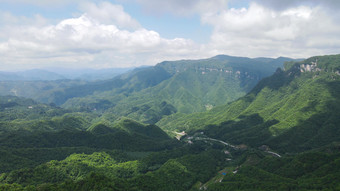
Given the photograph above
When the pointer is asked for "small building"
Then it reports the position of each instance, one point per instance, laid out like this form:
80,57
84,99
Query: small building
242,147
264,148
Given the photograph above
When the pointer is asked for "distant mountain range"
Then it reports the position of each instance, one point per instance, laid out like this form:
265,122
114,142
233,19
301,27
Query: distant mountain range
62,74
240,124
147,94
185,86
30,75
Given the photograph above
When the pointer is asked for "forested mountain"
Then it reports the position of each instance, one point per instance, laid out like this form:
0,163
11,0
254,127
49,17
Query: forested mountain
30,127
147,94
281,135
295,109
59,91
182,86
30,75
41,91
62,74
90,74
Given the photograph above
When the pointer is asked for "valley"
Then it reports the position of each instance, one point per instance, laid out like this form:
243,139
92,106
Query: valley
222,123
149,95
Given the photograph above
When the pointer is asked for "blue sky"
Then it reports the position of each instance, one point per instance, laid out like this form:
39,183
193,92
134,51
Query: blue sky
125,33
167,24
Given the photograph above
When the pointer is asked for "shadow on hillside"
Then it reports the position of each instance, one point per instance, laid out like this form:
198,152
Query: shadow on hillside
151,139
278,80
319,130
334,88
250,130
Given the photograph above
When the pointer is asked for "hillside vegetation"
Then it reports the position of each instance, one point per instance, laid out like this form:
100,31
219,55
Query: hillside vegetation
147,94
31,133
179,87
295,109
281,135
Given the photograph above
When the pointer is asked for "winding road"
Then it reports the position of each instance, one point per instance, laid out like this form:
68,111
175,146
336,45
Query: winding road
211,139
233,146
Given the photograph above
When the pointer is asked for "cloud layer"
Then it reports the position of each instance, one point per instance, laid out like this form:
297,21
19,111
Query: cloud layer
263,31
108,13
183,8
104,35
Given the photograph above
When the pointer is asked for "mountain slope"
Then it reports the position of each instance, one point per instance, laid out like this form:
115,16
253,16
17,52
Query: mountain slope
30,75
63,74
190,86
293,110
32,133
147,94
59,91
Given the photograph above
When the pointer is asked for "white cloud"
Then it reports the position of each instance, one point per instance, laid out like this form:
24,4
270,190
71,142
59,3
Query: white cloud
108,13
43,3
261,31
286,4
180,7
104,35
88,40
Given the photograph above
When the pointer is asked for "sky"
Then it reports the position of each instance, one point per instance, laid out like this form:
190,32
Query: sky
132,33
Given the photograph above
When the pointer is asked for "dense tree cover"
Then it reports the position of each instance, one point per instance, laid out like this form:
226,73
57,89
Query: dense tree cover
59,91
147,94
118,139
177,172
19,109
190,170
190,86
42,91
38,152
33,133
307,171
295,112
292,110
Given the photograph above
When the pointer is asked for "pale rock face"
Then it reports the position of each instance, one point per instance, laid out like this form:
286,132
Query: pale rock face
309,67
237,73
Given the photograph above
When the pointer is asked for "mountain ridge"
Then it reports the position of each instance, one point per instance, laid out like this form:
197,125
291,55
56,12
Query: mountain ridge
287,100
281,135
186,86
